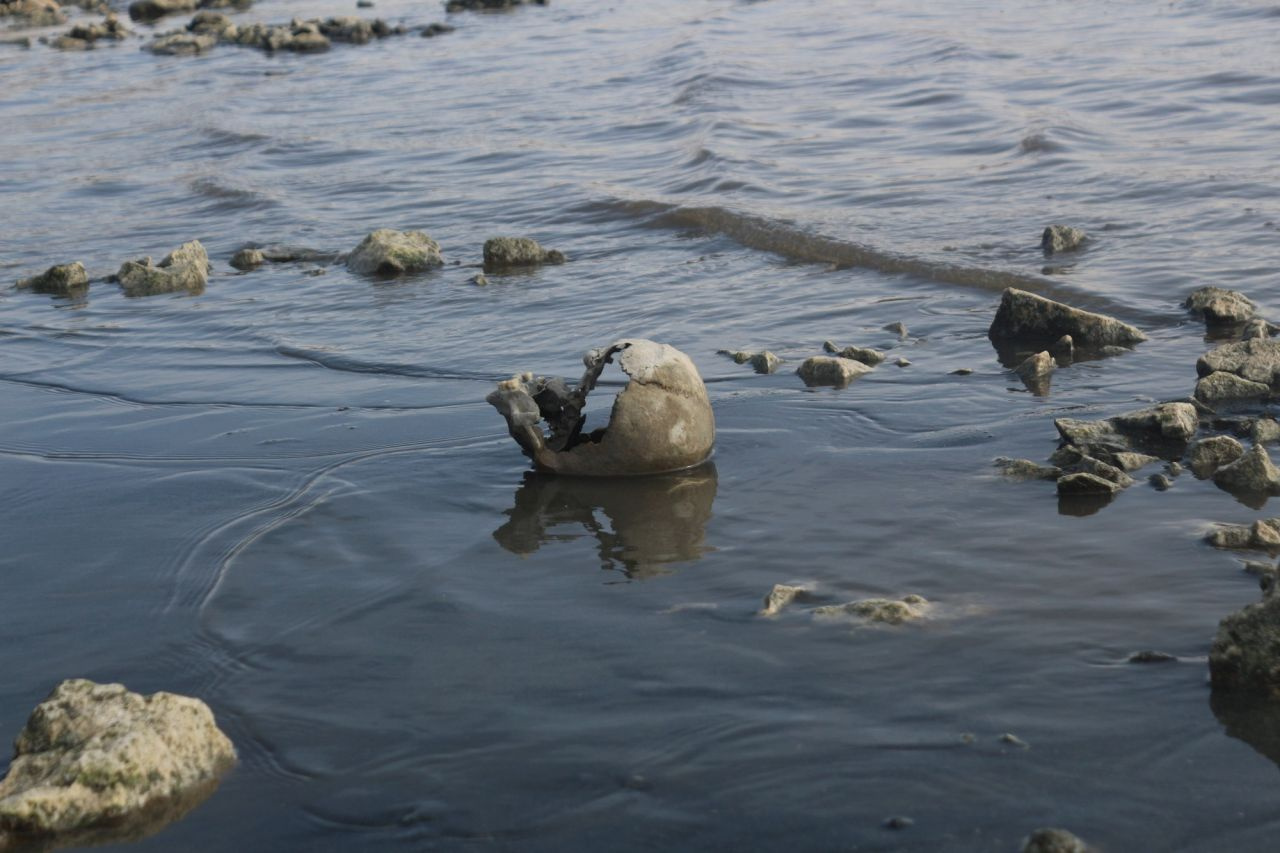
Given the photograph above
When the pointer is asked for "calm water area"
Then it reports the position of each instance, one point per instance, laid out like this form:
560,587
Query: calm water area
287,496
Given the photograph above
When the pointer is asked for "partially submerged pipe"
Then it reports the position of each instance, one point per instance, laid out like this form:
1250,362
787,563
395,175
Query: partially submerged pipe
661,421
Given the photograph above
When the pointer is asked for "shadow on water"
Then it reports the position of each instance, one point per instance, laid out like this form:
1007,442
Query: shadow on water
1252,719
644,524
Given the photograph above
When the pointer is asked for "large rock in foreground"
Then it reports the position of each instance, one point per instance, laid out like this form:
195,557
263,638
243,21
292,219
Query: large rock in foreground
96,754
1026,317
185,268
388,252
1245,655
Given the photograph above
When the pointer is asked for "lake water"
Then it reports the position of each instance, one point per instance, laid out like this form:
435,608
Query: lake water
287,496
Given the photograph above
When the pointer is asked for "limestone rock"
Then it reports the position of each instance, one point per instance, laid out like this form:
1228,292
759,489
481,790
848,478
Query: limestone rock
1219,306
1025,469
1024,316
1035,371
1083,483
1098,468
1262,535
1257,328
94,754
1129,462
247,259
33,13
1265,430
762,362
1252,472
387,252
908,608
1220,386
1210,454
1061,238
1063,349
782,595
185,268
1053,841
869,357
661,421
1245,655
502,253
1167,421
60,280
827,370
1257,359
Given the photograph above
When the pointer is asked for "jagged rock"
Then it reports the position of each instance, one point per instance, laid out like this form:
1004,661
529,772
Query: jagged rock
827,370
182,44
908,608
1257,328
1024,316
247,259
506,252
1025,469
1210,454
1090,465
782,595
94,754
185,268
661,421
867,356
762,362
151,10
1265,430
1221,386
1061,238
1262,535
388,252
1245,655
1053,841
1252,472
33,13
1035,371
1129,462
1220,306
1257,360
477,5
60,280
1083,483
1165,423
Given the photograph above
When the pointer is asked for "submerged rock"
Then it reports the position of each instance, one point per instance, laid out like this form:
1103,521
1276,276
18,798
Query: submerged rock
1061,238
248,259
1084,483
1253,472
1025,469
506,252
869,357
781,595
834,371
1257,359
661,421
1210,454
1053,841
762,362
1245,655
387,252
1221,387
96,754
1163,424
1129,462
33,13
83,35
1219,306
1063,349
1262,535
60,280
898,328
1024,316
185,268
1036,370
1257,328
151,10
891,612
479,5
182,44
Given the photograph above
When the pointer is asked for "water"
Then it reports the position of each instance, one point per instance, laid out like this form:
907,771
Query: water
286,496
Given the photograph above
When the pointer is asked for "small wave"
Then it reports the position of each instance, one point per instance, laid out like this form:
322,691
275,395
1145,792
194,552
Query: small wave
347,364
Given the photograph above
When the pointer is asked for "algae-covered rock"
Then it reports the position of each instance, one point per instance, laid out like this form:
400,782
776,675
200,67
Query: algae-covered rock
888,611
387,252
1061,238
1026,317
185,268
1220,306
1221,386
501,253
60,280
1251,473
661,421
828,370
1245,655
97,754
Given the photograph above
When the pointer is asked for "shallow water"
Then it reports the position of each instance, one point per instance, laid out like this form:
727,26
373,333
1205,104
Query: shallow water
287,496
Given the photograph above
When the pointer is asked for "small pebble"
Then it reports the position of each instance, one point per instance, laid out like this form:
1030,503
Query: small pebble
897,822
964,371
1014,740
902,362
1161,482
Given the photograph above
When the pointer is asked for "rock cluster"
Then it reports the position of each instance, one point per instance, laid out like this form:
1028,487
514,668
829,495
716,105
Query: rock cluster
866,355
153,10
889,611
33,13
208,29
762,362
84,36
97,754
185,268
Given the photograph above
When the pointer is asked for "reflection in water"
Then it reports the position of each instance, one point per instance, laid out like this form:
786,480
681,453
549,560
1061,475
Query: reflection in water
1252,719
644,523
